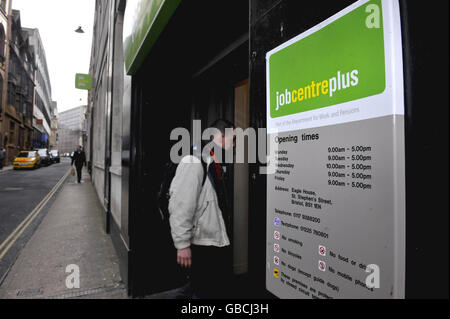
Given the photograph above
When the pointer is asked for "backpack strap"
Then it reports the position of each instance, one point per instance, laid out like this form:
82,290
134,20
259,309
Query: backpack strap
204,165
205,172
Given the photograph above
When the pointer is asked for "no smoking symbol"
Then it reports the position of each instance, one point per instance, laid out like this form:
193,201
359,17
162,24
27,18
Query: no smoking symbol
276,235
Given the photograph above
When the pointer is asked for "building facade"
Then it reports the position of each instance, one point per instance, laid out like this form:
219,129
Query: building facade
71,125
184,65
54,127
43,107
104,151
5,11
17,123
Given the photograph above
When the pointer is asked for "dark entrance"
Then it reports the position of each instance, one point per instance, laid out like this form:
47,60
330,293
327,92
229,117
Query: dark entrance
191,73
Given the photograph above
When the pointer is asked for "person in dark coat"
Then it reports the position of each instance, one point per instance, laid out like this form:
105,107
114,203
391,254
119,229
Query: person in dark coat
2,156
79,158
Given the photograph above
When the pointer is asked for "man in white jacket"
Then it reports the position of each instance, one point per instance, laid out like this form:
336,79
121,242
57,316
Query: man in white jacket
200,216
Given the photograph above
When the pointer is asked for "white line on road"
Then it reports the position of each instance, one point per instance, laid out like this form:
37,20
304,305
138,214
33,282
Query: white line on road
27,221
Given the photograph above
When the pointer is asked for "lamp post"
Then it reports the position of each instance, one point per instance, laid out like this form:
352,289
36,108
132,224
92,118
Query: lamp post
79,30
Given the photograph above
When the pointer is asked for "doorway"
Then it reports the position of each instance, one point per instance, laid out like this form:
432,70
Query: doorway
221,91
187,75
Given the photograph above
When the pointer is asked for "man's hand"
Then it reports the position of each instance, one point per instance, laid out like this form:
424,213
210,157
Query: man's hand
184,257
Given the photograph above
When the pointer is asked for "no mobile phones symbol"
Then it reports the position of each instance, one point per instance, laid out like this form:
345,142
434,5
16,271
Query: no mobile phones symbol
322,266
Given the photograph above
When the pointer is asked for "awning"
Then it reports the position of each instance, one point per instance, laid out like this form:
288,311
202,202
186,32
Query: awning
143,23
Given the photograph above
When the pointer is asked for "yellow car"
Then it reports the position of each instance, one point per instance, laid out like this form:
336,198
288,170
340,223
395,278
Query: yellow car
27,159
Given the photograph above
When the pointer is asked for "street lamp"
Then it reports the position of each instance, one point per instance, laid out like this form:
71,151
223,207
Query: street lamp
79,30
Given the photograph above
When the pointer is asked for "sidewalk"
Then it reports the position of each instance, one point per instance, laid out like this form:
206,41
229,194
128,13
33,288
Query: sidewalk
6,168
71,233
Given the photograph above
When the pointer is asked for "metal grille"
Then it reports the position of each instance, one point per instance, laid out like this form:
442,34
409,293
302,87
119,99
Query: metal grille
89,292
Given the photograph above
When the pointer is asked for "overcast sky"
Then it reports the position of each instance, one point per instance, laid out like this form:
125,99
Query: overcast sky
67,52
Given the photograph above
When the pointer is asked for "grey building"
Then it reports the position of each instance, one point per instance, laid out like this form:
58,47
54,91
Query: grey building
104,112
43,104
54,127
71,126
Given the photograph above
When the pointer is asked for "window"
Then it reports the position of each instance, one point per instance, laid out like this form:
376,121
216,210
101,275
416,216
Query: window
12,132
2,42
11,93
1,91
27,155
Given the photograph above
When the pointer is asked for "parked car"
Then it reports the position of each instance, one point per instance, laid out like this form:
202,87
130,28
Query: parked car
27,159
46,158
56,157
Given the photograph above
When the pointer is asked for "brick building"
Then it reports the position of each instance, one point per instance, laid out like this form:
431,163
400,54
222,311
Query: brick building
17,111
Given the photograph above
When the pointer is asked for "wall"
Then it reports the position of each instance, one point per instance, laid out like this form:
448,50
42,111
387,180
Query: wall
99,70
105,122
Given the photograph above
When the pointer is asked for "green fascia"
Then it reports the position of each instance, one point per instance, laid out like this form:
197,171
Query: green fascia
159,23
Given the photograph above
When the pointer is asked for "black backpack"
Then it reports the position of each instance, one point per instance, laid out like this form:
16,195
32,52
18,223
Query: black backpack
163,195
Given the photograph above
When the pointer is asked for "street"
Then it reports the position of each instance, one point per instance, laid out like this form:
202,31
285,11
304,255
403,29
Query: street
23,204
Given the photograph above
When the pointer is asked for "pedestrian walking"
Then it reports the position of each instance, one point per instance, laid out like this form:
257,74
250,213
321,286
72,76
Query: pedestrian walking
200,218
2,157
79,158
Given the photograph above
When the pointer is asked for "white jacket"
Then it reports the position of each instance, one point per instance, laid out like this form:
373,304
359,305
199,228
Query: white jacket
195,216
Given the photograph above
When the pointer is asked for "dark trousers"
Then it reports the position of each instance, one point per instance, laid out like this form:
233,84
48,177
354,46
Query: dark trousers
211,271
1,163
79,172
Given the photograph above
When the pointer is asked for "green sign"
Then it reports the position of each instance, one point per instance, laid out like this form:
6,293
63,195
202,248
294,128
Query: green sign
83,81
342,62
144,22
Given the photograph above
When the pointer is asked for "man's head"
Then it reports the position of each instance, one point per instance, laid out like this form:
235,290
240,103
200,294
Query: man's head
79,148
225,135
